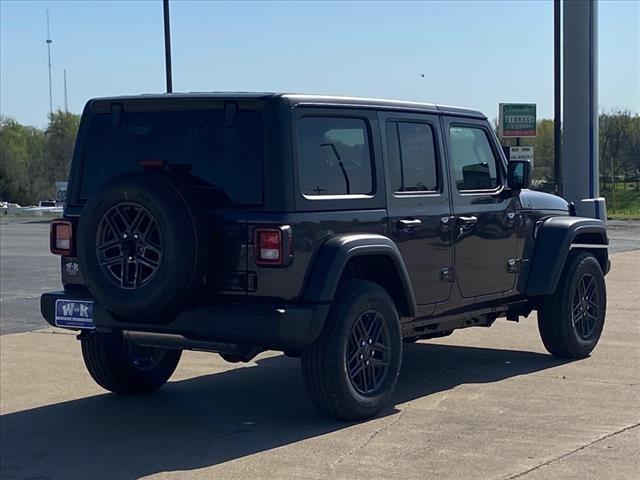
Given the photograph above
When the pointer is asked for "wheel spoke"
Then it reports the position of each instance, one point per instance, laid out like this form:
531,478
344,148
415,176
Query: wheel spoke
376,330
147,262
379,363
581,288
353,356
136,220
112,261
106,245
362,330
381,347
576,310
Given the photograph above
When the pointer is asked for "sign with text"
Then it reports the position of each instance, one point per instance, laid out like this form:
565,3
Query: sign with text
521,153
517,120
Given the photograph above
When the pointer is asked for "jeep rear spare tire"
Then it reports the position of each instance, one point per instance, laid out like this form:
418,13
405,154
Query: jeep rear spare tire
142,246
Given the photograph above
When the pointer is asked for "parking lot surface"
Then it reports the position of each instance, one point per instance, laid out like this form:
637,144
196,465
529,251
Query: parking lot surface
482,403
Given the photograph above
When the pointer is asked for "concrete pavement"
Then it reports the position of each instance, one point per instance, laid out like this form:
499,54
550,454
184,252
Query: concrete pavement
483,403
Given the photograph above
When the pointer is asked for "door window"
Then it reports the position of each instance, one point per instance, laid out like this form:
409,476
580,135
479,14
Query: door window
411,157
334,156
474,163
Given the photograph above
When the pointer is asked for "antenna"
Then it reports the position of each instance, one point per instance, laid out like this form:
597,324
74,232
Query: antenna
66,105
49,55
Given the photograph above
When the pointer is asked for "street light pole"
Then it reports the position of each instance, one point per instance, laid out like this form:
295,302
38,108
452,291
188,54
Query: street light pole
167,46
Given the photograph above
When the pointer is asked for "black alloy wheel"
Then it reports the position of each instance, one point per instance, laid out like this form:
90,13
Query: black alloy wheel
586,306
368,352
129,245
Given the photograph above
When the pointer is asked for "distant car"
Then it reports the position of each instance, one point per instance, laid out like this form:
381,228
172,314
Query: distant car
47,203
328,228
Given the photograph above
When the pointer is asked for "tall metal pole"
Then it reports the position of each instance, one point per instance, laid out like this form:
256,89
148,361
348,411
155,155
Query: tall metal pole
167,46
557,99
49,55
66,105
580,148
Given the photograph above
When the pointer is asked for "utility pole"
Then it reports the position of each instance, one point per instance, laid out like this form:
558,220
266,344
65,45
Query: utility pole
49,55
167,46
66,104
580,148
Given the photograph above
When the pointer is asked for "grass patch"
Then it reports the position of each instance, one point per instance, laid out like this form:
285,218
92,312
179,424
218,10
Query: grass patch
627,201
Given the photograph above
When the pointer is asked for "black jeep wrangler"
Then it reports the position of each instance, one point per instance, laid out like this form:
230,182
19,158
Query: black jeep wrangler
329,228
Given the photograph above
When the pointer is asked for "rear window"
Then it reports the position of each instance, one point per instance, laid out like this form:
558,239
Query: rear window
334,156
223,155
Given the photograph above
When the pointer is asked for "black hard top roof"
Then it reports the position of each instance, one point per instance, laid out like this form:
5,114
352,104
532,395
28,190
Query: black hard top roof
310,100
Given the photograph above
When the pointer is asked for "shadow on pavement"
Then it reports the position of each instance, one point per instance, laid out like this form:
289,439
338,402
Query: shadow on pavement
216,418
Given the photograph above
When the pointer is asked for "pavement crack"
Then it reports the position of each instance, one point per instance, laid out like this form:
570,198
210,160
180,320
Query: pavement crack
585,380
369,439
565,455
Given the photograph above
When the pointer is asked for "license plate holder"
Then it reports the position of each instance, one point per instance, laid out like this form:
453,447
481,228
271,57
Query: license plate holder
74,314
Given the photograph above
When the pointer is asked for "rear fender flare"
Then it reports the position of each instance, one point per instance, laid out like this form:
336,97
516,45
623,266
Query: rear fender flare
334,255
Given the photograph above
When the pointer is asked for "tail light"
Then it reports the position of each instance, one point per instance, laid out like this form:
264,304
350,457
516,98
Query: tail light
273,246
61,237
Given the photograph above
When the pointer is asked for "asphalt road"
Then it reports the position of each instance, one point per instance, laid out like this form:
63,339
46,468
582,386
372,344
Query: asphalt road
484,403
27,268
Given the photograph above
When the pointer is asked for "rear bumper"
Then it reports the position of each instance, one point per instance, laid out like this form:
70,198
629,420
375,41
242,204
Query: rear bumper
274,327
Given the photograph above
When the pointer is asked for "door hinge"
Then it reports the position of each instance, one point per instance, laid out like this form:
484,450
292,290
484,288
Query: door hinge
515,265
447,274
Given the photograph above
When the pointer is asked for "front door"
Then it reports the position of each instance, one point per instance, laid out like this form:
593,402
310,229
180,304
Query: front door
484,213
418,202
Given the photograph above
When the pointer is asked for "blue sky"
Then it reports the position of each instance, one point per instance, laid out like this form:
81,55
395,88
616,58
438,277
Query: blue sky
472,54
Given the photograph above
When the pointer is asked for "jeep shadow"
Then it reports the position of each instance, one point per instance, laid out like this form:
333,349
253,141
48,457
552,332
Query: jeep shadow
208,420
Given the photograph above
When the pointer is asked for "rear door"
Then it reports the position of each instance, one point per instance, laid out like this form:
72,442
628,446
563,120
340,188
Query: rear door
418,201
484,214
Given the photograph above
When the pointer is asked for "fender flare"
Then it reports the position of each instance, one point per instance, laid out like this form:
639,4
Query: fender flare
334,255
554,240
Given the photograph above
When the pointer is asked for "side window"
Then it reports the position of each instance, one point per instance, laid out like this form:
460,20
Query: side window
474,164
334,156
412,157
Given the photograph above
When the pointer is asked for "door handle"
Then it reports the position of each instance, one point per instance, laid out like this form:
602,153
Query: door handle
408,225
469,221
466,224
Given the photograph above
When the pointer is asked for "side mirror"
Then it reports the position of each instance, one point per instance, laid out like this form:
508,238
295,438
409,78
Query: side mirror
518,174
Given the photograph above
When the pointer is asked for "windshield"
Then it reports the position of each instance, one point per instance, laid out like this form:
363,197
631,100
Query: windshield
223,154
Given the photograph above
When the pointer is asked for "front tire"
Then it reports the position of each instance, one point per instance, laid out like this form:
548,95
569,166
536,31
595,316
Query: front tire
571,320
351,370
126,369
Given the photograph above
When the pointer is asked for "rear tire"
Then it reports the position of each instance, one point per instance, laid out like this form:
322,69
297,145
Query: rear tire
571,320
351,370
126,369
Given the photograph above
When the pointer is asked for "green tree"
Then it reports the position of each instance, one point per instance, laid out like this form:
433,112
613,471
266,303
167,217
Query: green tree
60,137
